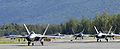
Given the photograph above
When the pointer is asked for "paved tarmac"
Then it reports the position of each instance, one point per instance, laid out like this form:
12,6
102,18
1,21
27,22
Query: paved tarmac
77,44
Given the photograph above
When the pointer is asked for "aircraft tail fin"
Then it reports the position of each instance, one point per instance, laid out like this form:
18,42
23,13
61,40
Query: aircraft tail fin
45,30
102,30
73,31
83,30
114,29
27,29
96,29
10,33
110,30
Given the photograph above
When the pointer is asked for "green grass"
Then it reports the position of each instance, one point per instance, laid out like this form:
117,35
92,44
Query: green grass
118,37
8,40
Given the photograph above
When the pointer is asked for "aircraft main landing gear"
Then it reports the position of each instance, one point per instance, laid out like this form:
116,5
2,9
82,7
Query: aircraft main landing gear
75,37
82,37
28,43
113,38
106,39
41,43
97,40
100,40
32,44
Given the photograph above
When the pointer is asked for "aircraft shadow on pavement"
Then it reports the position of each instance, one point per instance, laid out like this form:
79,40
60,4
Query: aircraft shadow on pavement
67,42
89,42
27,45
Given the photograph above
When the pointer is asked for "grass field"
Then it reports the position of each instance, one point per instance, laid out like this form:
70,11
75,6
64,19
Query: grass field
8,40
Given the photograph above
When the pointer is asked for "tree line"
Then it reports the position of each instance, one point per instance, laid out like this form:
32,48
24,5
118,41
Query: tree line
103,23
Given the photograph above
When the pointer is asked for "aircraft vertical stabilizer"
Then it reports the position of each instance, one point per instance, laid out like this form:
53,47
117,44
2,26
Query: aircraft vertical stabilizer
96,29
46,30
27,29
110,30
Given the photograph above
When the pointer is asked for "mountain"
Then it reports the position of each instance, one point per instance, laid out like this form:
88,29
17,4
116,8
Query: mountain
52,11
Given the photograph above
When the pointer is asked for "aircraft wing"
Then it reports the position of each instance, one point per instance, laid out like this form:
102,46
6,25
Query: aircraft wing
51,36
21,36
68,35
116,35
17,36
39,35
105,34
89,35
76,34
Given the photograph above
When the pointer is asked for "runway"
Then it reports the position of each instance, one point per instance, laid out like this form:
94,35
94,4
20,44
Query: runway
81,44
